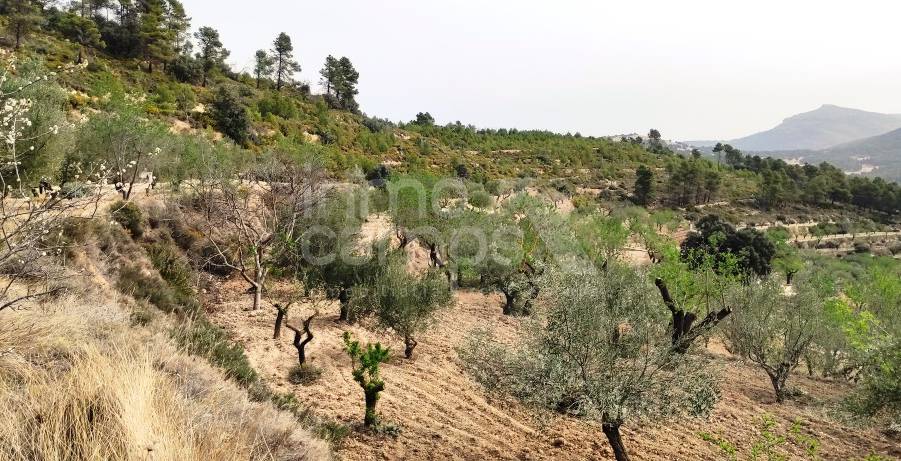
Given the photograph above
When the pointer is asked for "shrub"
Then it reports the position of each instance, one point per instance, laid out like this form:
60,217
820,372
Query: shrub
231,116
895,248
480,199
141,285
129,216
332,432
376,125
207,340
142,316
278,105
879,393
173,268
304,374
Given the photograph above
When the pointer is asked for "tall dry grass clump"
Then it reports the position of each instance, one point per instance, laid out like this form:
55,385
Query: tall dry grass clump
81,384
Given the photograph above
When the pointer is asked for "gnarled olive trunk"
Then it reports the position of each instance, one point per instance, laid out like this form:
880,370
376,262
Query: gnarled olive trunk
778,376
279,319
409,345
509,303
684,329
789,276
616,441
302,337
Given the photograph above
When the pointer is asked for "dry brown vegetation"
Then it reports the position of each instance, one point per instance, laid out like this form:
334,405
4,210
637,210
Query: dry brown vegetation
79,382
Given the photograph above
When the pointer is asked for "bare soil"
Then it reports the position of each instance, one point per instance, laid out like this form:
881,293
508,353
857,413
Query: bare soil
442,413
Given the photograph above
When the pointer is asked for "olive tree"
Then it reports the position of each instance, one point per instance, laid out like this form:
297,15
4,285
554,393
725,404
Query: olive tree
326,252
121,138
406,303
601,351
247,222
774,330
697,299
602,238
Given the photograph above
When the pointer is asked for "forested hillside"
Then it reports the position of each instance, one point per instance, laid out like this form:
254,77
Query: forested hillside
286,273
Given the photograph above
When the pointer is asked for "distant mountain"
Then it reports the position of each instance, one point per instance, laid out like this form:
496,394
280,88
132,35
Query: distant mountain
877,155
822,128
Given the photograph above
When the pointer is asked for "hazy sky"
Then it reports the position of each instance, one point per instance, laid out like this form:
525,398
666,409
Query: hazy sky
692,69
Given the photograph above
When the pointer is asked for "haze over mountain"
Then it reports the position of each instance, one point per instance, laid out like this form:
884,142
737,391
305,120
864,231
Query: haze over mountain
822,128
877,156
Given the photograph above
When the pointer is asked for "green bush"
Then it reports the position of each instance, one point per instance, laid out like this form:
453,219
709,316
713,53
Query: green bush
140,285
207,340
230,115
480,199
278,105
879,393
332,432
173,268
129,216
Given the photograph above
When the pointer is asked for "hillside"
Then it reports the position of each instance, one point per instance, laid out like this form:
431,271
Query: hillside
822,128
203,264
875,156
441,412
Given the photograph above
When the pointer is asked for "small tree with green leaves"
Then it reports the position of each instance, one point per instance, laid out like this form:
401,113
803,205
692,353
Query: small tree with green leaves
602,352
406,303
601,238
365,363
787,261
774,330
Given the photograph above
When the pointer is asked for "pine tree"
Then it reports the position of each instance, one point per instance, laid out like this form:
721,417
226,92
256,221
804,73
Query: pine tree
329,74
263,66
82,31
123,38
177,24
24,16
346,89
644,185
89,8
283,55
156,41
212,54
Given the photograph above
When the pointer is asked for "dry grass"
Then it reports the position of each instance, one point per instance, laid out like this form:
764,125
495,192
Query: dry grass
80,383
